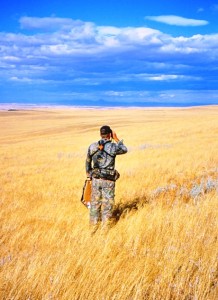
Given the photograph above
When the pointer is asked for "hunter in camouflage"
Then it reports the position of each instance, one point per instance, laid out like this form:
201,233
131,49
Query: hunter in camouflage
100,167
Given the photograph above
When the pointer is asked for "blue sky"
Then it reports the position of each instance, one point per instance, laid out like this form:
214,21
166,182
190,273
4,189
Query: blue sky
92,52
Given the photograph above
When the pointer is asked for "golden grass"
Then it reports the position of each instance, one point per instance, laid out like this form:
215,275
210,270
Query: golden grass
163,244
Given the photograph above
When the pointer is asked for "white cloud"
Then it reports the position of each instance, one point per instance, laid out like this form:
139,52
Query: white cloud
167,77
163,77
177,20
23,79
109,30
82,55
85,39
115,93
47,23
11,59
200,9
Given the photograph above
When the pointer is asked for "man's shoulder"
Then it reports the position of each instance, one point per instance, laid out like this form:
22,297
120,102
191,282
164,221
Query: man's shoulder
93,147
94,144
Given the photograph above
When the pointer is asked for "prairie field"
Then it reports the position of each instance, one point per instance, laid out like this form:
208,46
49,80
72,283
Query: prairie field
163,241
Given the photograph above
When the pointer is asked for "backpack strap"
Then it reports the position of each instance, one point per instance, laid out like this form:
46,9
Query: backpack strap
101,148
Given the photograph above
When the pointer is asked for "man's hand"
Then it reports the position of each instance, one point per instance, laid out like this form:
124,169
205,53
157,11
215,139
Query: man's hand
114,136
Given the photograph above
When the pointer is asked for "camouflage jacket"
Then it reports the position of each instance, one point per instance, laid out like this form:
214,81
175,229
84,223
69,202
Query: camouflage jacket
102,154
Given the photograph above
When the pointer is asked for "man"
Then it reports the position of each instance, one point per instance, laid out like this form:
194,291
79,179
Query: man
100,168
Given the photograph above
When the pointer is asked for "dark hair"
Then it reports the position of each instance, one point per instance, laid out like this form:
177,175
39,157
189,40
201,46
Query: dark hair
105,130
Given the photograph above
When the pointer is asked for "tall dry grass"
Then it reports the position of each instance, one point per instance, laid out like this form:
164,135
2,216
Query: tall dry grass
163,243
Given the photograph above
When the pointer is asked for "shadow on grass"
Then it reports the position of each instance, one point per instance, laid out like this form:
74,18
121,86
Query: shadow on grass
122,209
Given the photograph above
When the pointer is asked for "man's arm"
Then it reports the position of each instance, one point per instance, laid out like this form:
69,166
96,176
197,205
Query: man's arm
121,148
88,163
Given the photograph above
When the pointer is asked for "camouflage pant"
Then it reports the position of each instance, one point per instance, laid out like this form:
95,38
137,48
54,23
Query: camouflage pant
102,200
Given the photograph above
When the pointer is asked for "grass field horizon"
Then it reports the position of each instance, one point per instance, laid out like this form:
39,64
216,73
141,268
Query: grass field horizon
163,243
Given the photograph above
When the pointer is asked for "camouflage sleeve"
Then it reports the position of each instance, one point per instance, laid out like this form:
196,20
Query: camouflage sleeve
88,163
121,148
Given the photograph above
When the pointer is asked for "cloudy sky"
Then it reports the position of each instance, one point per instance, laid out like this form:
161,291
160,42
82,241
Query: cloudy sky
98,52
